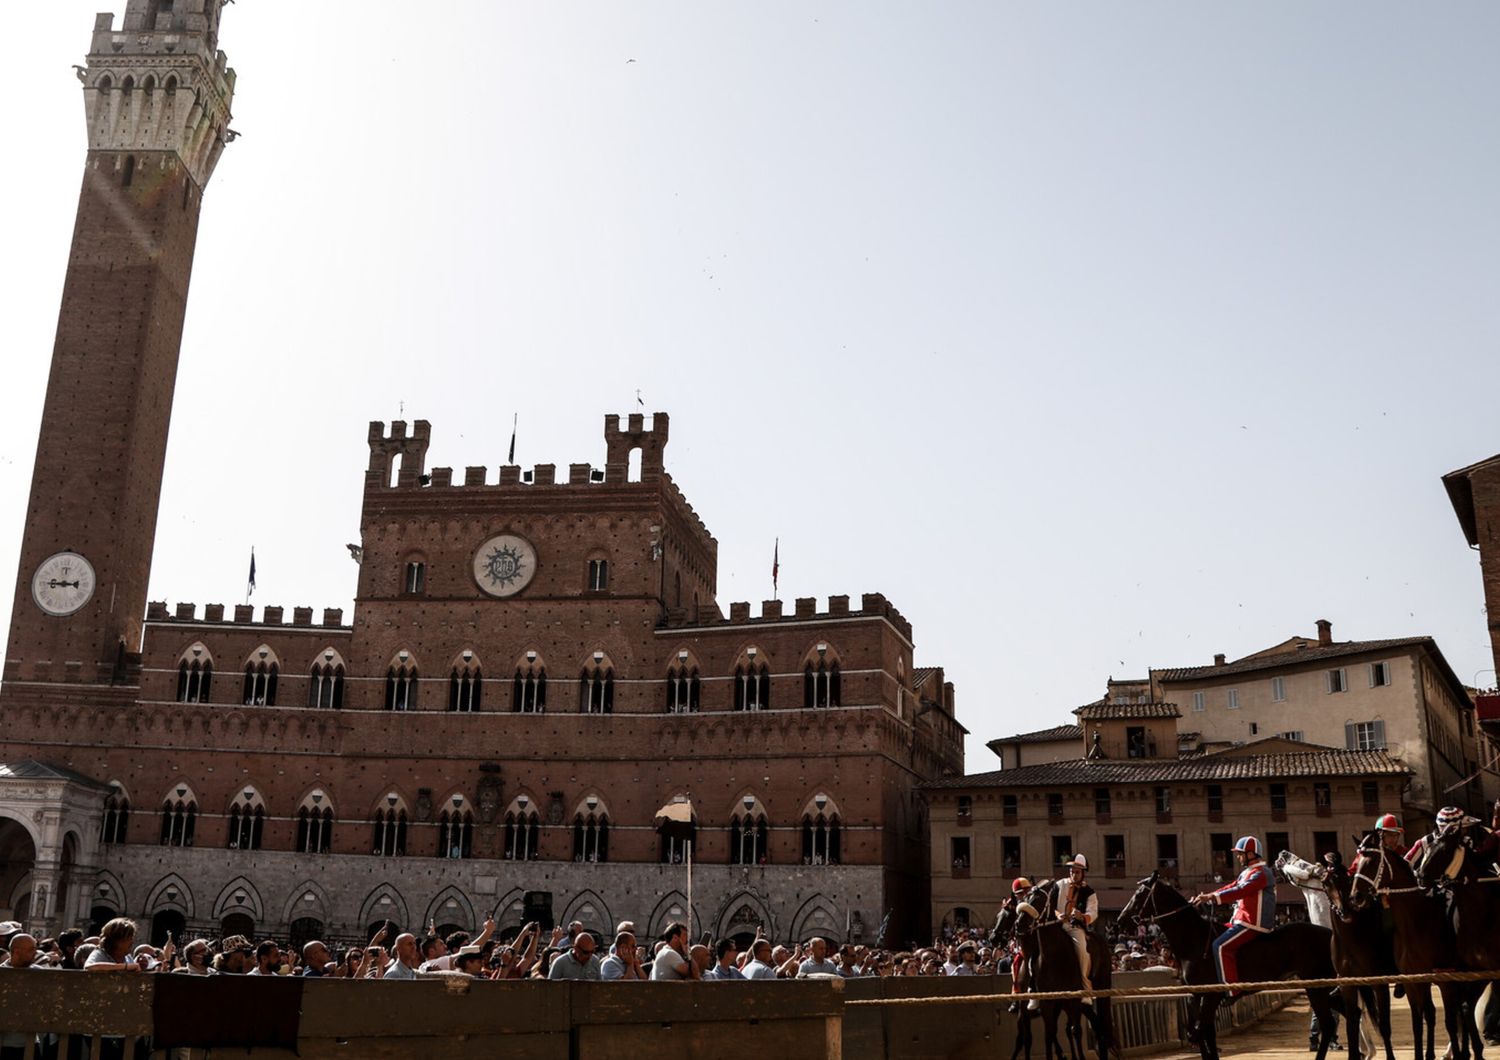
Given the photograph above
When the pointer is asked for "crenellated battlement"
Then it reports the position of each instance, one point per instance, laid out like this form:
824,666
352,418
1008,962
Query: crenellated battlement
244,615
159,83
804,609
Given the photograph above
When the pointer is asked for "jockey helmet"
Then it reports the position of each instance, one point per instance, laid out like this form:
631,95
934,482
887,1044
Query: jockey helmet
1387,822
1249,846
1019,884
1449,815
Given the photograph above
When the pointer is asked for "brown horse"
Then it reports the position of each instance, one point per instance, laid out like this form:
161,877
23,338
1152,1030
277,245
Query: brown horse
1460,861
1424,940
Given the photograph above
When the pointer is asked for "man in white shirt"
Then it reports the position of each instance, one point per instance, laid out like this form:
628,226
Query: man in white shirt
407,959
818,963
671,961
624,960
1077,907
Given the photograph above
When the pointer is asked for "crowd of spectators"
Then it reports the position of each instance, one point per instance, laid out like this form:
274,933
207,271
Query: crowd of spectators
534,953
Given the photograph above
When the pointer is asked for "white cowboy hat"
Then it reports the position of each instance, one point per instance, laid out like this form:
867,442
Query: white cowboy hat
1079,860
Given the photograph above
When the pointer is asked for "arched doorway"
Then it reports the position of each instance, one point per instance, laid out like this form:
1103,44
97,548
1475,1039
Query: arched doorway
237,924
100,915
168,920
17,860
304,930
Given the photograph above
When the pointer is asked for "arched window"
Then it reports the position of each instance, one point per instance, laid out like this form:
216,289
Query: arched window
414,578
315,825
530,693
821,685
261,672
591,831
752,683
683,686
523,830
749,834
390,828
325,686
127,172
820,833
116,816
598,575
401,683
596,687
195,674
179,817
465,684
247,819
456,830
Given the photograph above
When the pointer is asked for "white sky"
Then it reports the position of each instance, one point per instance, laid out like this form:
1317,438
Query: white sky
1097,336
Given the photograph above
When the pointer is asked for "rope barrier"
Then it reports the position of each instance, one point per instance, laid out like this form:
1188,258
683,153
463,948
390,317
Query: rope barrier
1182,989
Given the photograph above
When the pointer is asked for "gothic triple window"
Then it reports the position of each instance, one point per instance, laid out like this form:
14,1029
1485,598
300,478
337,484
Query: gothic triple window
179,817
683,687
821,833
456,830
821,685
523,831
315,824
401,683
247,820
591,831
465,684
596,688
195,674
116,816
749,835
530,693
325,686
752,684
390,828
261,672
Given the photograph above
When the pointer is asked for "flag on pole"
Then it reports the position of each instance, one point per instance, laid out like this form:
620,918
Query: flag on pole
775,567
512,458
250,585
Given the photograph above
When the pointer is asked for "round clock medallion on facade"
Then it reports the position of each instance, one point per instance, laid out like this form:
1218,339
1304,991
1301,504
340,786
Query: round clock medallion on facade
504,565
63,583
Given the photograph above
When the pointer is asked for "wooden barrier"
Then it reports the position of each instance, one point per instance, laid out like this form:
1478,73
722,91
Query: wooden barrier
457,1018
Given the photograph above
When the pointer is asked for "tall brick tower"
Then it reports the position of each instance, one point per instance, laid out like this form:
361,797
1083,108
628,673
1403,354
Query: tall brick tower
157,96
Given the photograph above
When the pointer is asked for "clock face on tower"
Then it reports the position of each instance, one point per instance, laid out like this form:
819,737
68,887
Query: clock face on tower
63,583
504,565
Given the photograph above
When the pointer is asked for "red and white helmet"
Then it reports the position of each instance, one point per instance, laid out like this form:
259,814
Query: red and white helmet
1019,884
1387,822
1249,846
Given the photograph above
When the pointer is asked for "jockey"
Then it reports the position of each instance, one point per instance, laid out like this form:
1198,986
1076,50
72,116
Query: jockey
1392,835
1447,817
1254,896
1077,907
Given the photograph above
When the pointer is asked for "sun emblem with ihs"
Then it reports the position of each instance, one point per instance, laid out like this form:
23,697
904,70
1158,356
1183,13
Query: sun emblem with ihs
504,566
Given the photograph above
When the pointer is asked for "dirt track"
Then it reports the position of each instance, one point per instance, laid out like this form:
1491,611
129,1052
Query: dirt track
1283,1036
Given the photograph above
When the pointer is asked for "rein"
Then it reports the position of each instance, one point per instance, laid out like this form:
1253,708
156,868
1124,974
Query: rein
1153,917
1380,873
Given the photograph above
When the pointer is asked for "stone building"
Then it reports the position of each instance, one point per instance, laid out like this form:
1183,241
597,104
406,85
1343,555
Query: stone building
534,666
1475,494
1176,811
1397,694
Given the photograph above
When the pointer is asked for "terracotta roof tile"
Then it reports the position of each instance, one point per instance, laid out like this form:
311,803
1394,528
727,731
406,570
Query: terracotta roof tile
1126,711
1313,763
1057,732
1291,658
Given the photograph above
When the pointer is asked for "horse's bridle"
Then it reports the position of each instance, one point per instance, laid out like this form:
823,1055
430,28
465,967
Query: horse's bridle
1380,874
1152,917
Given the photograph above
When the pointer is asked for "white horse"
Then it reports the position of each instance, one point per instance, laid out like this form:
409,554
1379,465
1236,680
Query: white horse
1309,877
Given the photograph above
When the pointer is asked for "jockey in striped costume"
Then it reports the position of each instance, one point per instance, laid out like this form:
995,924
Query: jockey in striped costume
1254,896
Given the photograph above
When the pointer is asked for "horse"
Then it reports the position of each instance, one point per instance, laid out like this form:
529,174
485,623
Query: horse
1299,950
1038,931
1359,945
1000,938
1424,940
1459,860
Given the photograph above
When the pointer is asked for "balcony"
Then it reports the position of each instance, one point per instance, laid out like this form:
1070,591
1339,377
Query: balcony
960,870
1114,870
